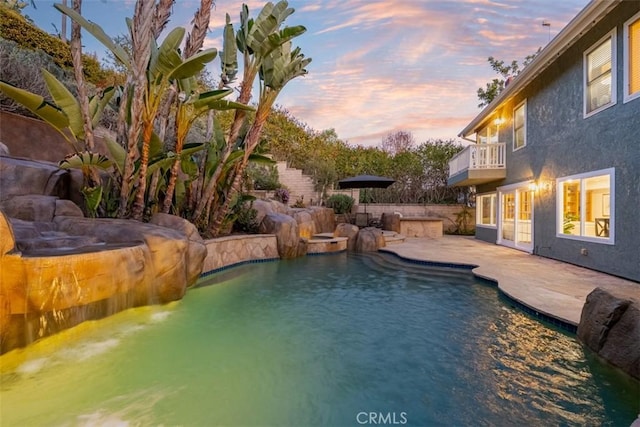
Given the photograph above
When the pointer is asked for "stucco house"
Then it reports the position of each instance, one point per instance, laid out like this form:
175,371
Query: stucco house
556,159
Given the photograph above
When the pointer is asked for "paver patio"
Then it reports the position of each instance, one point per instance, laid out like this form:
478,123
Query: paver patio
548,286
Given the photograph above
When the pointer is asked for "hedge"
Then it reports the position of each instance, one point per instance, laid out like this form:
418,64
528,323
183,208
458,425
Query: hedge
14,26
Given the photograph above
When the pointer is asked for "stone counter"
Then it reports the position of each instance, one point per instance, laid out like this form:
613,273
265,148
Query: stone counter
421,227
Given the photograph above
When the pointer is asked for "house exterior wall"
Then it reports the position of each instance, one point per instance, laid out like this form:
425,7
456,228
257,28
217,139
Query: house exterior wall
561,142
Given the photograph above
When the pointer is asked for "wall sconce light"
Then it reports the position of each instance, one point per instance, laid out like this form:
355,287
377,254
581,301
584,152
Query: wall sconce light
498,121
540,186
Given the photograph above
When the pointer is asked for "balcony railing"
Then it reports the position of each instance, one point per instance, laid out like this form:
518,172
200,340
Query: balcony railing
478,157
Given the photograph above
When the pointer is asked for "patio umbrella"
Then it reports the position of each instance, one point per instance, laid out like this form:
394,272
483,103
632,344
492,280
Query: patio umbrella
365,181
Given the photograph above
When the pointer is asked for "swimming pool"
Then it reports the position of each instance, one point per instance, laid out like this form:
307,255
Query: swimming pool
328,340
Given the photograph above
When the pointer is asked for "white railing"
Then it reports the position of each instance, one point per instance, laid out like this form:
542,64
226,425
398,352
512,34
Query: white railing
478,156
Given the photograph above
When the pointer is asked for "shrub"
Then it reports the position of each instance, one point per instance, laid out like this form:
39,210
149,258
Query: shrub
282,195
299,203
264,177
340,203
14,26
23,68
246,219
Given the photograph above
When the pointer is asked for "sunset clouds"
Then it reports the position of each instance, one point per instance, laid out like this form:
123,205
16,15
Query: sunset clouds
381,66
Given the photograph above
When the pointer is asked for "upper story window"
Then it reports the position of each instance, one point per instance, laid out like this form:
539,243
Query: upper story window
520,126
488,134
632,58
599,79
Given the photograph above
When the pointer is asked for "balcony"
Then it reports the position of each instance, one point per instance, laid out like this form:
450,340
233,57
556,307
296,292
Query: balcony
478,164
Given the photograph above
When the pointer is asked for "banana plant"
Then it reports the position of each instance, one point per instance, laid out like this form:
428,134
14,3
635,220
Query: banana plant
279,67
187,112
255,39
88,162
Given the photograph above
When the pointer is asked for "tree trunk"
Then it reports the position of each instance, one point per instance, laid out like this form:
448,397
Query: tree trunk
244,97
141,35
76,56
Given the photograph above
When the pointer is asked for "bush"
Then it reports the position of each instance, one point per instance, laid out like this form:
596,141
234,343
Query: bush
246,219
15,27
264,177
22,68
340,203
282,195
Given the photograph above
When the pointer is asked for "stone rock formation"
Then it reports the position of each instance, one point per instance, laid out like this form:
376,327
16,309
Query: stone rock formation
264,207
22,177
369,239
350,231
324,218
286,230
306,224
196,249
74,262
610,326
391,222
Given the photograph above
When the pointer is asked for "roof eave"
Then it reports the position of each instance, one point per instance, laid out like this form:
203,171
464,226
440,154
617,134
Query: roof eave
589,16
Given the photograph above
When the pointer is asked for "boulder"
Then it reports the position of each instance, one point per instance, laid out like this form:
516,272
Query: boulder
324,218
67,208
306,224
197,250
33,207
610,326
8,241
369,239
23,177
264,207
286,230
390,221
347,230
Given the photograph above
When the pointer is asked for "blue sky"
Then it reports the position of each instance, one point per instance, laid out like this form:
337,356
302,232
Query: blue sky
379,66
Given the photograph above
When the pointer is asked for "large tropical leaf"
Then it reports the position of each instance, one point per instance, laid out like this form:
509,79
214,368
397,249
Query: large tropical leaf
117,153
261,159
84,160
223,104
279,38
283,65
98,103
166,58
229,54
68,103
193,65
268,21
38,106
94,29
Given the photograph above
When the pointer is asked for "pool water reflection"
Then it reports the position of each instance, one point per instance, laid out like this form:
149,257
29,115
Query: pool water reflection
317,341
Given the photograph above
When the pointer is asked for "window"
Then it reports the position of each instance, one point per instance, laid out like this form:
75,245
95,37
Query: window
586,206
486,210
520,126
600,81
488,135
632,58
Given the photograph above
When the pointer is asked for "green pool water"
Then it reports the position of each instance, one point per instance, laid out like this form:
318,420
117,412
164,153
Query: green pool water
327,340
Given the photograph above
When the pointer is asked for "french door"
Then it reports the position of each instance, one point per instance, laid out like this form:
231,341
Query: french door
515,224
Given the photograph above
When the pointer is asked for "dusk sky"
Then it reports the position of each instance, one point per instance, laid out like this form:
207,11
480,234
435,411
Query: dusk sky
379,66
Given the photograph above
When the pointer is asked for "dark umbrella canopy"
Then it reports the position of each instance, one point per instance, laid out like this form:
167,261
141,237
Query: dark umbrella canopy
365,181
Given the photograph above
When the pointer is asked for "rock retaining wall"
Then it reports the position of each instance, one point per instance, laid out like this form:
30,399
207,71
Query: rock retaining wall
226,251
